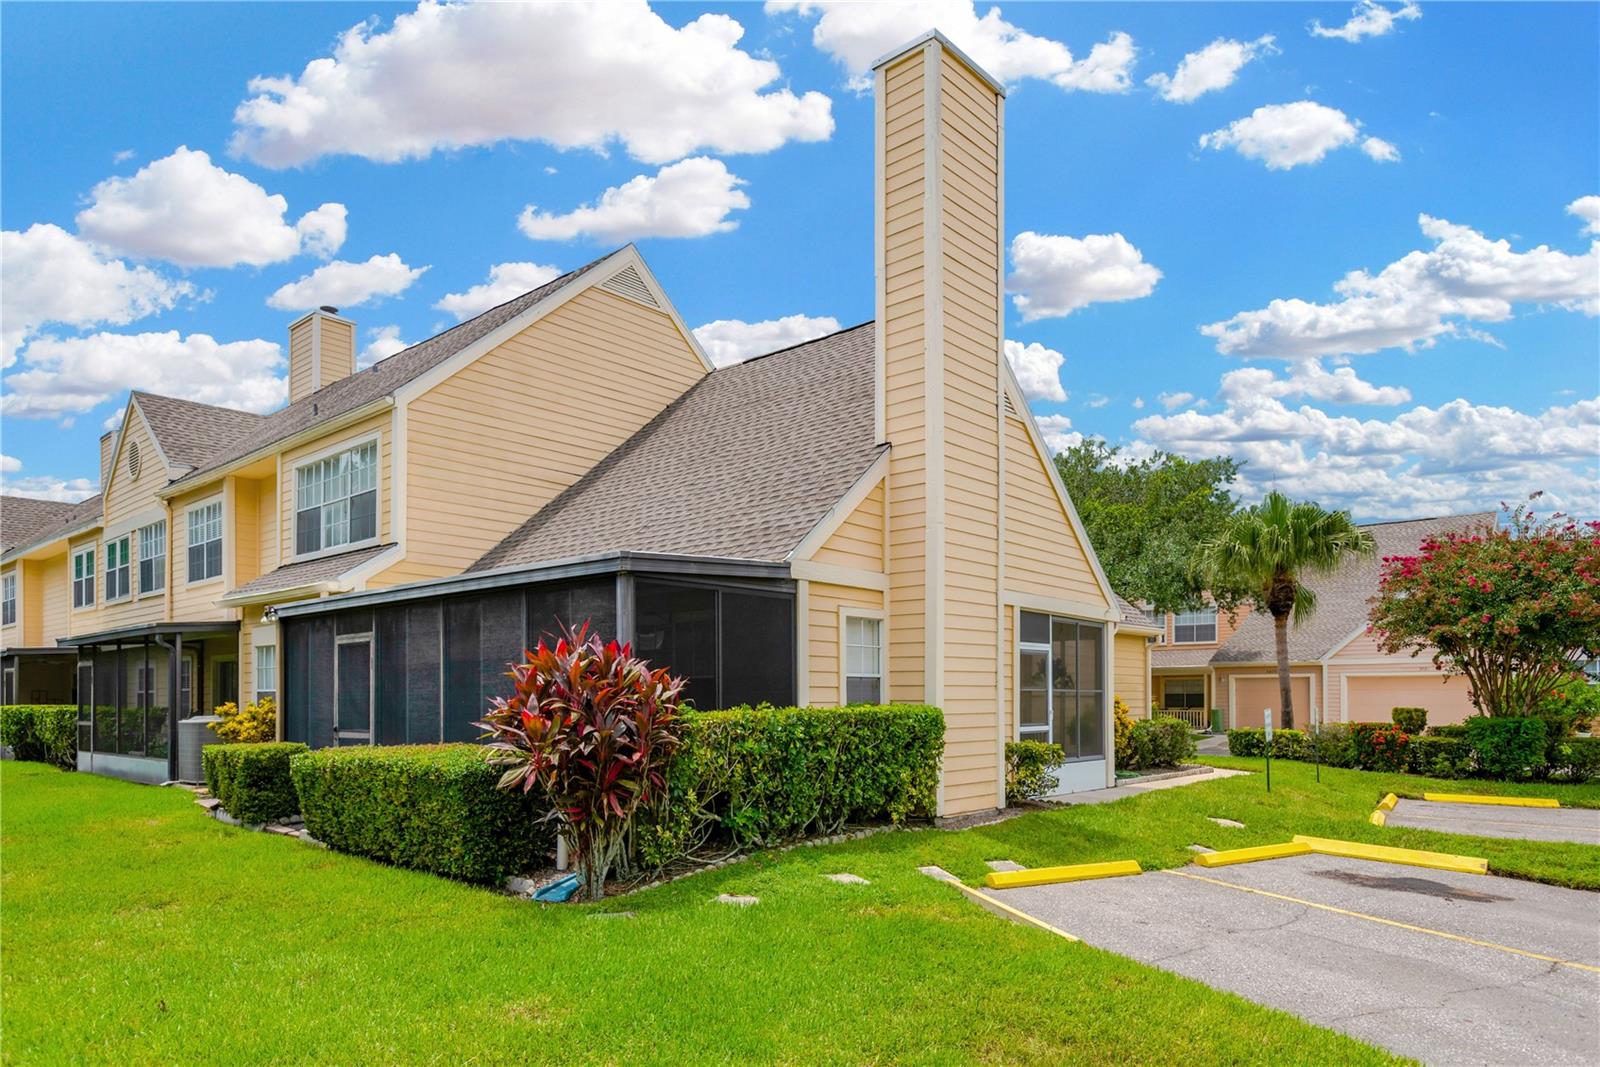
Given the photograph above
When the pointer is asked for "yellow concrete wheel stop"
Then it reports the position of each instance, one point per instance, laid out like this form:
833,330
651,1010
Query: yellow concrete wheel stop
1077,872
1379,817
1479,798
1414,857
1388,802
1251,855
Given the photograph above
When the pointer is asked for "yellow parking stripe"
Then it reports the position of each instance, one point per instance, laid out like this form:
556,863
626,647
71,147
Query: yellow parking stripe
1479,798
1006,911
1388,922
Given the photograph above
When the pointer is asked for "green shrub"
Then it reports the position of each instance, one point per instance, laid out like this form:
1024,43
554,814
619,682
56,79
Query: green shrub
1575,760
1577,697
1159,742
1247,741
1028,766
1439,757
1379,746
1509,747
252,724
429,807
43,733
252,780
1332,744
1411,720
1448,729
1286,744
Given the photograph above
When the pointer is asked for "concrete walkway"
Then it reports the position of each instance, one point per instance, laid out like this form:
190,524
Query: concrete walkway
1134,788
1493,820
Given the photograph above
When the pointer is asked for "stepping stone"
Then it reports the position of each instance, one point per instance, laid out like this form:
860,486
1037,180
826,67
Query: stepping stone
737,900
522,887
846,879
1004,865
611,915
1200,848
209,803
1226,822
938,873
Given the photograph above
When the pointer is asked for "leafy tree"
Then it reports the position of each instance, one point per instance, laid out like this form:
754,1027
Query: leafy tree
1264,552
1515,608
1145,517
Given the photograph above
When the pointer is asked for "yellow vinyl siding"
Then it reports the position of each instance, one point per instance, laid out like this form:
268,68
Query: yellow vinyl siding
1043,554
85,620
245,546
51,584
520,424
1130,672
859,540
823,655
197,601
336,350
377,425
130,504
267,527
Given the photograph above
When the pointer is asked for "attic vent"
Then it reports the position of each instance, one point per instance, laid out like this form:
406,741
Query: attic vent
1011,409
133,459
626,282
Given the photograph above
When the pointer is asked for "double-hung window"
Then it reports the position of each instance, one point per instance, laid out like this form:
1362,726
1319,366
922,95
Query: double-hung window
205,541
119,572
266,671
153,557
1195,627
336,500
863,660
83,578
8,605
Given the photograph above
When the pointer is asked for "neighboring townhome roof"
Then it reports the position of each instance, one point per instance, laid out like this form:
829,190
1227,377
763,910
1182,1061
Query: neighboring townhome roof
742,466
24,520
324,574
191,433
1135,619
1342,597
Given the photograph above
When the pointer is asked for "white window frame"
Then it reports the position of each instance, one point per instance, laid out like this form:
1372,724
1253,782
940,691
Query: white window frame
160,585
8,599
255,672
109,548
1107,636
222,539
93,578
846,613
371,731
377,489
1192,614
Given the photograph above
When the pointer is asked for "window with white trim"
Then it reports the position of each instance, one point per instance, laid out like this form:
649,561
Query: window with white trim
1061,684
205,541
1183,694
266,671
1194,627
8,603
863,660
153,557
119,571
336,500
83,578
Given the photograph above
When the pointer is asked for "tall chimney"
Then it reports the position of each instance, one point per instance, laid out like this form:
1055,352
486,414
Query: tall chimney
107,439
322,349
939,174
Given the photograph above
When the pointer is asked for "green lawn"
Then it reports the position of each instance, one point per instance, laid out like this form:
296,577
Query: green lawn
133,929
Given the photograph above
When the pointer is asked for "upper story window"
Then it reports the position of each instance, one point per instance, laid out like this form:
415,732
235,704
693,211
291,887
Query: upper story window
153,557
119,572
336,500
205,541
83,578
8,604
1194,627
863,660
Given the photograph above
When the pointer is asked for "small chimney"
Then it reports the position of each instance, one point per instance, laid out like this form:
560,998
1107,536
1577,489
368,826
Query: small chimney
107,440
322,349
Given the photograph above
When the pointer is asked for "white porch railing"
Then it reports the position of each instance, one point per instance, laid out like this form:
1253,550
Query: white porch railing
1197,718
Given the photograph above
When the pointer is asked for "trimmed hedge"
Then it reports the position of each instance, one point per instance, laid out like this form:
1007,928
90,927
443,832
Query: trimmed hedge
1161,741
43,733
1411,720
252,779
1577,759
1252,741
428,807
1507,746
1028,767
1439,757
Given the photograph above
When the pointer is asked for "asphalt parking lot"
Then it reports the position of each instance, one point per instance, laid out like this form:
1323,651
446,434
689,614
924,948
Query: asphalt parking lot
1446,968
1492,820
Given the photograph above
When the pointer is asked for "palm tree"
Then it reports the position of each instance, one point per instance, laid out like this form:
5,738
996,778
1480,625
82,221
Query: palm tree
1263,552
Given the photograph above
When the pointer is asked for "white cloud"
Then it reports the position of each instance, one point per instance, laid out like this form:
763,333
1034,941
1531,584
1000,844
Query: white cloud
1380,151
691,198
1309,379
345,285
857,35
67,376
506,281
382,342
1138,403
1175,400
185,209
48,487
1213,67
1057,432
1367,19
729,341
1097,400
1420,297
48,275
123,155
9,464
449,76
1587,208
1053,276
1038,370
1289,135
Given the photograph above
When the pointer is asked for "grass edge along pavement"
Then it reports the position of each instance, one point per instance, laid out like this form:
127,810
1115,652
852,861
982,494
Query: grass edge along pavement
137,930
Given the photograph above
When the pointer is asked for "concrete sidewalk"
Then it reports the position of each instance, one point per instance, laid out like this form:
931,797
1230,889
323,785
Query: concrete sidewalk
1135,787
1493,820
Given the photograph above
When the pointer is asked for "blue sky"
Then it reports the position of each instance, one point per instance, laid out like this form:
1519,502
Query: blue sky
1277,150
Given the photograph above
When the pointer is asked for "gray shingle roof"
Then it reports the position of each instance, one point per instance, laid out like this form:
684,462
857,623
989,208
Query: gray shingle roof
742,466
190,433
1341,596
1169,656
24,520
321,569
1132,616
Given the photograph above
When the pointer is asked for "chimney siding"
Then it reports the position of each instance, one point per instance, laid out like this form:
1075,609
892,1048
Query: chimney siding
322,349
939,337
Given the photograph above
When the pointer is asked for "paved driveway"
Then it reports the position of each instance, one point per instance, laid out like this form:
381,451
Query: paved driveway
1495,820
1446,968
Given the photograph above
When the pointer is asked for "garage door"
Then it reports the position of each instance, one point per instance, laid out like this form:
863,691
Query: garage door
1372,698
1255,692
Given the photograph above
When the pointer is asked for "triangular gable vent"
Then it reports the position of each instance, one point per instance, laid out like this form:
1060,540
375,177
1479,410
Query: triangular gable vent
627,282
1011,408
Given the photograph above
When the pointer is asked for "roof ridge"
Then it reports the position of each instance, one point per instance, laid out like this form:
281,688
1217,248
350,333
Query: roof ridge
1427,518
797,344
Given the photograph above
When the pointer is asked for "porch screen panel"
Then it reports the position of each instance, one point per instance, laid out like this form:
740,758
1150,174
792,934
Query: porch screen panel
757,648
85,705
389,676
500,644
294,690
354,697
422,673
108,679
677,628
319,681
158,699
462,683
572,604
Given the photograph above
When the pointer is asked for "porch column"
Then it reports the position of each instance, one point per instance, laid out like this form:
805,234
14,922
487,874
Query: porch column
174,662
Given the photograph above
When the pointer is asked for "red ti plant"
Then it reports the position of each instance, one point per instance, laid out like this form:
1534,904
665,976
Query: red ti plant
595,728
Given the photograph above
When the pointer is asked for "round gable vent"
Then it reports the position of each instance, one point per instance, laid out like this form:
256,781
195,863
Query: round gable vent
133,459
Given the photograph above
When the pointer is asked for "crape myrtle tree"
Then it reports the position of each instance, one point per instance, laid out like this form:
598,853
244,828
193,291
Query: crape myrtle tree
1262,556
1515,606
